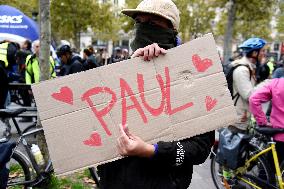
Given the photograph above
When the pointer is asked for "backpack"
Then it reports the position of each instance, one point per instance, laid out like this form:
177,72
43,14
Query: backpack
229,78
232,149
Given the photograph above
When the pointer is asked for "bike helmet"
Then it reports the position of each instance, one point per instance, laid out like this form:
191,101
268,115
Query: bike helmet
63,50
252,44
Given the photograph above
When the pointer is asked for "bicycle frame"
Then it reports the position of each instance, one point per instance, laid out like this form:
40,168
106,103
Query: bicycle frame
35,166
243,169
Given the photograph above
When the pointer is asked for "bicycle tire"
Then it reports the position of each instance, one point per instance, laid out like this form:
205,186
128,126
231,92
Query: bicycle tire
22,167
282,169
261,161
95,176
30,128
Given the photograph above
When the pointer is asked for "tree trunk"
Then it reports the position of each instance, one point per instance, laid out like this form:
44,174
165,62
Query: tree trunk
44,59
229,31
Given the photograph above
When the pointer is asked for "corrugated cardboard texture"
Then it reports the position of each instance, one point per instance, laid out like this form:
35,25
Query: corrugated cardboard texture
68,120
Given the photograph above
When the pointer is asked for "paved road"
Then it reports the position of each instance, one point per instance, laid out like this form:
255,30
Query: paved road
201,177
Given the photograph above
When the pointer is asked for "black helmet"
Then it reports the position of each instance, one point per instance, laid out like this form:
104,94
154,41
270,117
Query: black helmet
63,50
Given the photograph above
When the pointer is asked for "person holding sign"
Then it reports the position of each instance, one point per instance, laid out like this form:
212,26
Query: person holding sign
165,165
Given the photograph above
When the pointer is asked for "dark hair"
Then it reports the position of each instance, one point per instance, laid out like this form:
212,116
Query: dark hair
29,44
249,54
64,49
87,52
262,73
91,48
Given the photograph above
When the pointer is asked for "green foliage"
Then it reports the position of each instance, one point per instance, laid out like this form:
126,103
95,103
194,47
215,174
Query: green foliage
196,17
127,23
105,23
69,18
280,21
252,18
27,7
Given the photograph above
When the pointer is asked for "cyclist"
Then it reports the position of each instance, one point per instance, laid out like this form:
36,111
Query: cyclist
274,91
244,78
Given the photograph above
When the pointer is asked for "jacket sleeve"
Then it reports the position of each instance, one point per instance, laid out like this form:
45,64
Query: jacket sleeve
76,67
256,99
36,71
27,72
242,82
194,150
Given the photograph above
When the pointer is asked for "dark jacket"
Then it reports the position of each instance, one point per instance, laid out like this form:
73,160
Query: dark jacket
75,65
91,63
168,169
4,81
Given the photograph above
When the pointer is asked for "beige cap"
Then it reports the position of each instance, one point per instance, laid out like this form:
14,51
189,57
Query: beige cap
164,8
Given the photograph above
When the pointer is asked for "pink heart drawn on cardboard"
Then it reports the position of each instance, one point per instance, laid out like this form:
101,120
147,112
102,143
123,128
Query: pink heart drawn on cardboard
94,140
201,65
210,103
64,95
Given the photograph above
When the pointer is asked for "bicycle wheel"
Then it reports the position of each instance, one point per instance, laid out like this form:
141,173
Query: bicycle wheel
95,175
30,128
20,170
259,173
282,169
216,173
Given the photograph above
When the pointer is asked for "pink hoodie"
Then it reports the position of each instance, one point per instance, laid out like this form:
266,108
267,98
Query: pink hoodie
274,91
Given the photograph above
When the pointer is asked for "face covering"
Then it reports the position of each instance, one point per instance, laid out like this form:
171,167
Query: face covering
146,34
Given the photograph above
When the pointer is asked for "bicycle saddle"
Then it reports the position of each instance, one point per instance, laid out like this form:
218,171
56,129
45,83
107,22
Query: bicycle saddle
269,131
6,113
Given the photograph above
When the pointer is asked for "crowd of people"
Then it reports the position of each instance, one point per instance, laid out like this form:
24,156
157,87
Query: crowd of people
164,164
20,63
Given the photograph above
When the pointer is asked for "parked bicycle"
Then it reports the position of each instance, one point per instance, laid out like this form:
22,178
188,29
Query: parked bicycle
256,171
29,174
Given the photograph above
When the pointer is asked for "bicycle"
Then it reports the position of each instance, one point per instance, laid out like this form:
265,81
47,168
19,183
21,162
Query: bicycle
29,173
256,171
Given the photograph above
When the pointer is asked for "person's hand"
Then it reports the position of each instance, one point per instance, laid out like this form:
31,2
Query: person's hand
130,145
149,52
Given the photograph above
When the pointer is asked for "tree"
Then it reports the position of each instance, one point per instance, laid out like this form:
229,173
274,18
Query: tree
280,21
196,17
69,18
252,18
107,24
44,59
127,23
27,7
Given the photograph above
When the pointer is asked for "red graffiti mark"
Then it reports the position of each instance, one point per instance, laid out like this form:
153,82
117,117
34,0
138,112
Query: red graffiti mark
65,95
99,114
126,88
169,109
94,140
210,103
201,65
153,111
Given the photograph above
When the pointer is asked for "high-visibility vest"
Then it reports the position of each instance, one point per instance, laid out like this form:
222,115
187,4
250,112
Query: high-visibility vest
33,70
3,53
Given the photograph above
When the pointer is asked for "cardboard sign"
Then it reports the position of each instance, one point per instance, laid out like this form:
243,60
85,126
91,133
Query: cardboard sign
175,96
